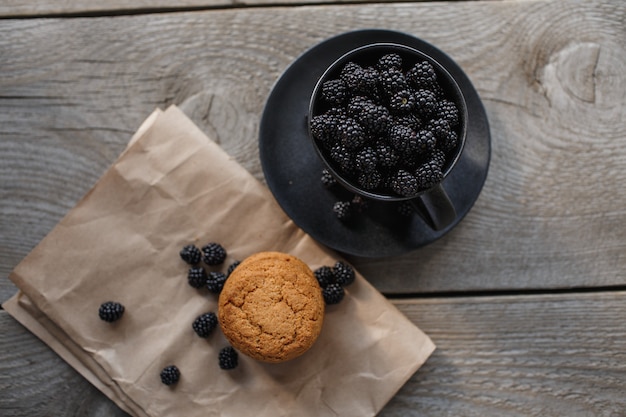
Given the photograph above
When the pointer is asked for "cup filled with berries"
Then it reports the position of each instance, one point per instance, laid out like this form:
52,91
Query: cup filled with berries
389,123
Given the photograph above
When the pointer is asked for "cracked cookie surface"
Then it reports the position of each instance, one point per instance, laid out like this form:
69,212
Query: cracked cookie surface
271,307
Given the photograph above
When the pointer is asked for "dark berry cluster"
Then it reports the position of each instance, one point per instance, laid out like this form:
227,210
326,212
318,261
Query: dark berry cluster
170,375
205,276
345,209
333,280
111,311
212,254
204,324
228,358
191,254
387,127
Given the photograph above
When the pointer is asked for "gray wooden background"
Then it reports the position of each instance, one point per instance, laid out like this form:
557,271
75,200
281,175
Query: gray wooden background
525,299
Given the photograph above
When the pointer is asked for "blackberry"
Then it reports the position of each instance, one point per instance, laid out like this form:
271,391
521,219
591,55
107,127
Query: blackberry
374,118
428,175
342,210
324,128
342,156
357,104
438,91
215,281
426,141
392,80
324,275
366,160
350,75
191,254
213,254
402,101
170,375
405,209
386,156
231,268
447,110
204,324
425,102
402,138
111,311
422,75
338,112
438,157
327,178
404,183
196,277
388,61
333,293
440,128
358,204
344,273
334,91
228,358
370,180
367,80
351,133
449,142
410,120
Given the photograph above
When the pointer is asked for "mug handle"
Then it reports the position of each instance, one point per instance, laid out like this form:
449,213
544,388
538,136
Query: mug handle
435,207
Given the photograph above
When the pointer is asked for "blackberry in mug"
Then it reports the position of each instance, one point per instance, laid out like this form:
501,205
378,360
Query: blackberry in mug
397,114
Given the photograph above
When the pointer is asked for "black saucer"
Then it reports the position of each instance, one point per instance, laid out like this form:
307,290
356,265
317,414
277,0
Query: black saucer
292,168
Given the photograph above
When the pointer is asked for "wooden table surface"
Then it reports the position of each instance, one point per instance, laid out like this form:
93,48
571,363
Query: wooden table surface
525,298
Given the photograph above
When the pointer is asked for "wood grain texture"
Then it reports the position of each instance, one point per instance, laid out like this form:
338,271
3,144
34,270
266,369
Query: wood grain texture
551,355
34,8
34,381
551,76
540,355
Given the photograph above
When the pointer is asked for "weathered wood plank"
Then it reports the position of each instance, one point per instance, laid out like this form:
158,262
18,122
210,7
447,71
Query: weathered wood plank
539,355
34,8
551,75
36,382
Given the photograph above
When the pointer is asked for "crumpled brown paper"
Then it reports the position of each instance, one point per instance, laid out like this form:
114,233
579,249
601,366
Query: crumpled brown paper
170,187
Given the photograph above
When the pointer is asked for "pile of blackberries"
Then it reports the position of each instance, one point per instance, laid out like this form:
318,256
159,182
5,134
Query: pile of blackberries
388,128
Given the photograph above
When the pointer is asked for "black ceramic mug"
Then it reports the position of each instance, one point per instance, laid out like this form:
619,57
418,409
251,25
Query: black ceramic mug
431,202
